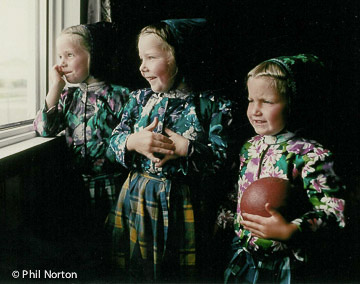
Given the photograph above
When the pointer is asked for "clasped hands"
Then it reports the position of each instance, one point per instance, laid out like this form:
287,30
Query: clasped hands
158,147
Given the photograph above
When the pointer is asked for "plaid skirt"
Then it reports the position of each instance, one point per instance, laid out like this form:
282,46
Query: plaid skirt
152,228
246,268
103,192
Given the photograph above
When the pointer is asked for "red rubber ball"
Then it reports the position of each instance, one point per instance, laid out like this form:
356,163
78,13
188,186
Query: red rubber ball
265,190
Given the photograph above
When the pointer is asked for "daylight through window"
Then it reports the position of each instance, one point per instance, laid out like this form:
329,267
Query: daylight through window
18,59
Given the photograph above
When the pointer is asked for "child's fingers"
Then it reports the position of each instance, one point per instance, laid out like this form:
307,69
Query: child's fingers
152,125
163,144
151,157
253,218
163,141
162,150
253,227
162,162
272,211
58,69
169,132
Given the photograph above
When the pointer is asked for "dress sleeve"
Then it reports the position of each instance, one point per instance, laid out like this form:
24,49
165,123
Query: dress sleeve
49,122
324,191
210,156
124,129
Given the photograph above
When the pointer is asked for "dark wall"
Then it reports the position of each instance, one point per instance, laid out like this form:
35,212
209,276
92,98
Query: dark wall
247,32
244,33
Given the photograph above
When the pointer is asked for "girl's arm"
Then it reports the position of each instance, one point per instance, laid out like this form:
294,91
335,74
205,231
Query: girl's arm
57,85
204,156
324,191
210,156
47,122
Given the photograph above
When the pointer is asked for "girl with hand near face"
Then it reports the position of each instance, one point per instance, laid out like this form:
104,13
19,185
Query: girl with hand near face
83,102
172,139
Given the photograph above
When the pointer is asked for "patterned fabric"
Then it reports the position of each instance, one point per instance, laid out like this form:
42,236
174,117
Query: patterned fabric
308,166
88,114
244,268
178,111
153,223
294,67
104,191
182,28
144,202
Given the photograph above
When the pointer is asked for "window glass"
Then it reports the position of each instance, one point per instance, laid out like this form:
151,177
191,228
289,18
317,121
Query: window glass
18,59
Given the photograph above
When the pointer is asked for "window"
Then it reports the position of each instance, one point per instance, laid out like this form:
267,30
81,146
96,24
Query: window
18,54
27,51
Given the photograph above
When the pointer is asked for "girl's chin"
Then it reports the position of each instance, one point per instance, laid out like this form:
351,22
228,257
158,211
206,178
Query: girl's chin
158,90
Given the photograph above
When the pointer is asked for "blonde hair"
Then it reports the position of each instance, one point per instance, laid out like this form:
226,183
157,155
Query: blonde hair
273,71
161,31
84,37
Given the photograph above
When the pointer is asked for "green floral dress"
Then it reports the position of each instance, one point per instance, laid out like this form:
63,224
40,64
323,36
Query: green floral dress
88,115
154,220
317,202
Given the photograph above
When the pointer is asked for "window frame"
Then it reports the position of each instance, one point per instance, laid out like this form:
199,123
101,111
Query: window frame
51,17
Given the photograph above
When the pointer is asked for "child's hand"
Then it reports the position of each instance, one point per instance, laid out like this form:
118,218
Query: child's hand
57,85
181,147
274,227
148,143
56,77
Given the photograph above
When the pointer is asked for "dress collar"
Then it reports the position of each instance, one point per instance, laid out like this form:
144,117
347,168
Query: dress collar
174,94
91,87
279,138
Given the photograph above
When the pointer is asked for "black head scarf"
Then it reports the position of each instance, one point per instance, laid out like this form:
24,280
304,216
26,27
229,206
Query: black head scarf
301,69
309,93
183,29
104,54
188,40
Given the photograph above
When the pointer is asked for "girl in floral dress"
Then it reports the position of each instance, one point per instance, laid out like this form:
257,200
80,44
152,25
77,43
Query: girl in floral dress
268,249
173,140
88,109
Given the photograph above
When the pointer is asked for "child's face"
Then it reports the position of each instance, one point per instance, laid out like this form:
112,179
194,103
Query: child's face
158,65
73,58
267,108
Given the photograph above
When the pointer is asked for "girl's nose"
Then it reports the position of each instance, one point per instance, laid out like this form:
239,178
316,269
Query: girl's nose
62,62
142,67
255,109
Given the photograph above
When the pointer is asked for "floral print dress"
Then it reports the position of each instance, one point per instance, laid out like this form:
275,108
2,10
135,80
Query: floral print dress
308,166
316,202
88,114
154,217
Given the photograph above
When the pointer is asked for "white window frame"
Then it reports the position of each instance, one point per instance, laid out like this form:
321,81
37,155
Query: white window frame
52,17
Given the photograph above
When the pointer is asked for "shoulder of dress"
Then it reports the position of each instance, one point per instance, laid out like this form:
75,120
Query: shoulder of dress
119,88
141,95
214,97
304,146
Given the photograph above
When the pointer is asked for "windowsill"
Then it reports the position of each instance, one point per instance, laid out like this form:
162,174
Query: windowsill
20,157
17,148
